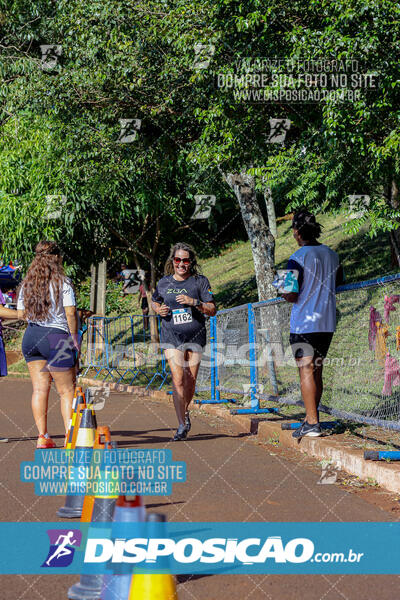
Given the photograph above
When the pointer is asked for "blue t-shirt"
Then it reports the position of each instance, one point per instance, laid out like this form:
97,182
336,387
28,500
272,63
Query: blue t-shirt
315,308
179,331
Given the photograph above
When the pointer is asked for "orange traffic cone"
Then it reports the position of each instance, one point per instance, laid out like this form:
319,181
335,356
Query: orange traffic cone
116,587
79,398
79,401
98,445
153,586
84,439
89,404
74,423
101,510
86,431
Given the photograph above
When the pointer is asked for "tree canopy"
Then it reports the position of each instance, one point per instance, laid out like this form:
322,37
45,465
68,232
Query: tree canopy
181,76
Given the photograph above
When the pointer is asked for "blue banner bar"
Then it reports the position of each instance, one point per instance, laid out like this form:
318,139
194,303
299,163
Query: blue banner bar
200,548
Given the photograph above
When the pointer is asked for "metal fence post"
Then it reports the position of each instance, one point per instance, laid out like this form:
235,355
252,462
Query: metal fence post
212,342
215,394
271,364
254,399
255,404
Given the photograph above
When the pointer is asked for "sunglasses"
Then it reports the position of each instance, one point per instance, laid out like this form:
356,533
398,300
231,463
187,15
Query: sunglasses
177,261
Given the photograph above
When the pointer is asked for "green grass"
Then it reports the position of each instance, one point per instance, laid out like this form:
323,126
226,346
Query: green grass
19,368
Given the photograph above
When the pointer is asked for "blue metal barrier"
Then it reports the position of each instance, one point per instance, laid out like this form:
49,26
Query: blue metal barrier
253,389
120,347
382,455
214,387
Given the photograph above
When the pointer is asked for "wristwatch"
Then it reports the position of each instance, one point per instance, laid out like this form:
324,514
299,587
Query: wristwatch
197,302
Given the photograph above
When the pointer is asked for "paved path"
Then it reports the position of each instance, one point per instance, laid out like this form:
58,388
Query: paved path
229,479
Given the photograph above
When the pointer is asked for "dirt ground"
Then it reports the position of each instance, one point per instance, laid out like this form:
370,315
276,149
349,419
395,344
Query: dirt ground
229,478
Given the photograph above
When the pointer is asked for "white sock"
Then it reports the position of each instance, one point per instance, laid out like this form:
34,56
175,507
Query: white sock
46,435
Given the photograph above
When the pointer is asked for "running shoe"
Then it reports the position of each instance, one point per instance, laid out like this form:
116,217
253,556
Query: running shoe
307,430
188,424
180,434
44,443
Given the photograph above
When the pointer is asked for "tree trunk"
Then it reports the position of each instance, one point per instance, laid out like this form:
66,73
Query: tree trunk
153,274
261,240
395,247
392,195
98,287
155,338
271,319
269,202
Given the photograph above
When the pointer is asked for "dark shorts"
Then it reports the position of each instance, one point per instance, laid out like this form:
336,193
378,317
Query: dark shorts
50,344
181,340
144,304
310,344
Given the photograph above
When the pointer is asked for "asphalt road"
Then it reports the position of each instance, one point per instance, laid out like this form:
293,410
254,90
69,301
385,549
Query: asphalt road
229,478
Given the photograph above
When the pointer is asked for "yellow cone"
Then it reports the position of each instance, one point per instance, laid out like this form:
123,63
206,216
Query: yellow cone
153,587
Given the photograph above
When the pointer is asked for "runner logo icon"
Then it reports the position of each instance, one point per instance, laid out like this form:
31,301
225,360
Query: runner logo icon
62,547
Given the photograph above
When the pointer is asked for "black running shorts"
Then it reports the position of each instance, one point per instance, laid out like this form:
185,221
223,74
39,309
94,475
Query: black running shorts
310,344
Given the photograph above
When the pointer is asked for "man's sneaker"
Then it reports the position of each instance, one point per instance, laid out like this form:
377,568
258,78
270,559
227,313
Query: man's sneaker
307,430
43,443
188,424
3,440
181,434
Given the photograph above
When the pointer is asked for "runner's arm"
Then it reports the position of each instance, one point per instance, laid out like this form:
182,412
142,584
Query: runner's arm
10,313
72,320
158,304
339,276
160,309
21,305
207,304
291,297
207,308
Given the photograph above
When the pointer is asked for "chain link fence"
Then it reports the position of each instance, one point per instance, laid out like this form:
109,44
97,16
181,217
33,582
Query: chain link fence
124,349
256,360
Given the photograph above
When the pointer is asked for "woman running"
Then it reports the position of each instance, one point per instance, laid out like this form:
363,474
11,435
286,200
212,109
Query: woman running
182,298
50,344
313,318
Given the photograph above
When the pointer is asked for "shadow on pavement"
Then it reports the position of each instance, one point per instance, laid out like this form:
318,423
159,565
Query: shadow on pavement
140,439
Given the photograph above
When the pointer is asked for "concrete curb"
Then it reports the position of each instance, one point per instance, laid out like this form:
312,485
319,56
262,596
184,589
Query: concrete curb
329,449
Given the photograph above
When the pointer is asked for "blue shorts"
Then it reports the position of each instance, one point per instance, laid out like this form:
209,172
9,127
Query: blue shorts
53,345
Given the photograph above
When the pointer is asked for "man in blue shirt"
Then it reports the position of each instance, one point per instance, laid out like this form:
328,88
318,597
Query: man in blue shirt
313,317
